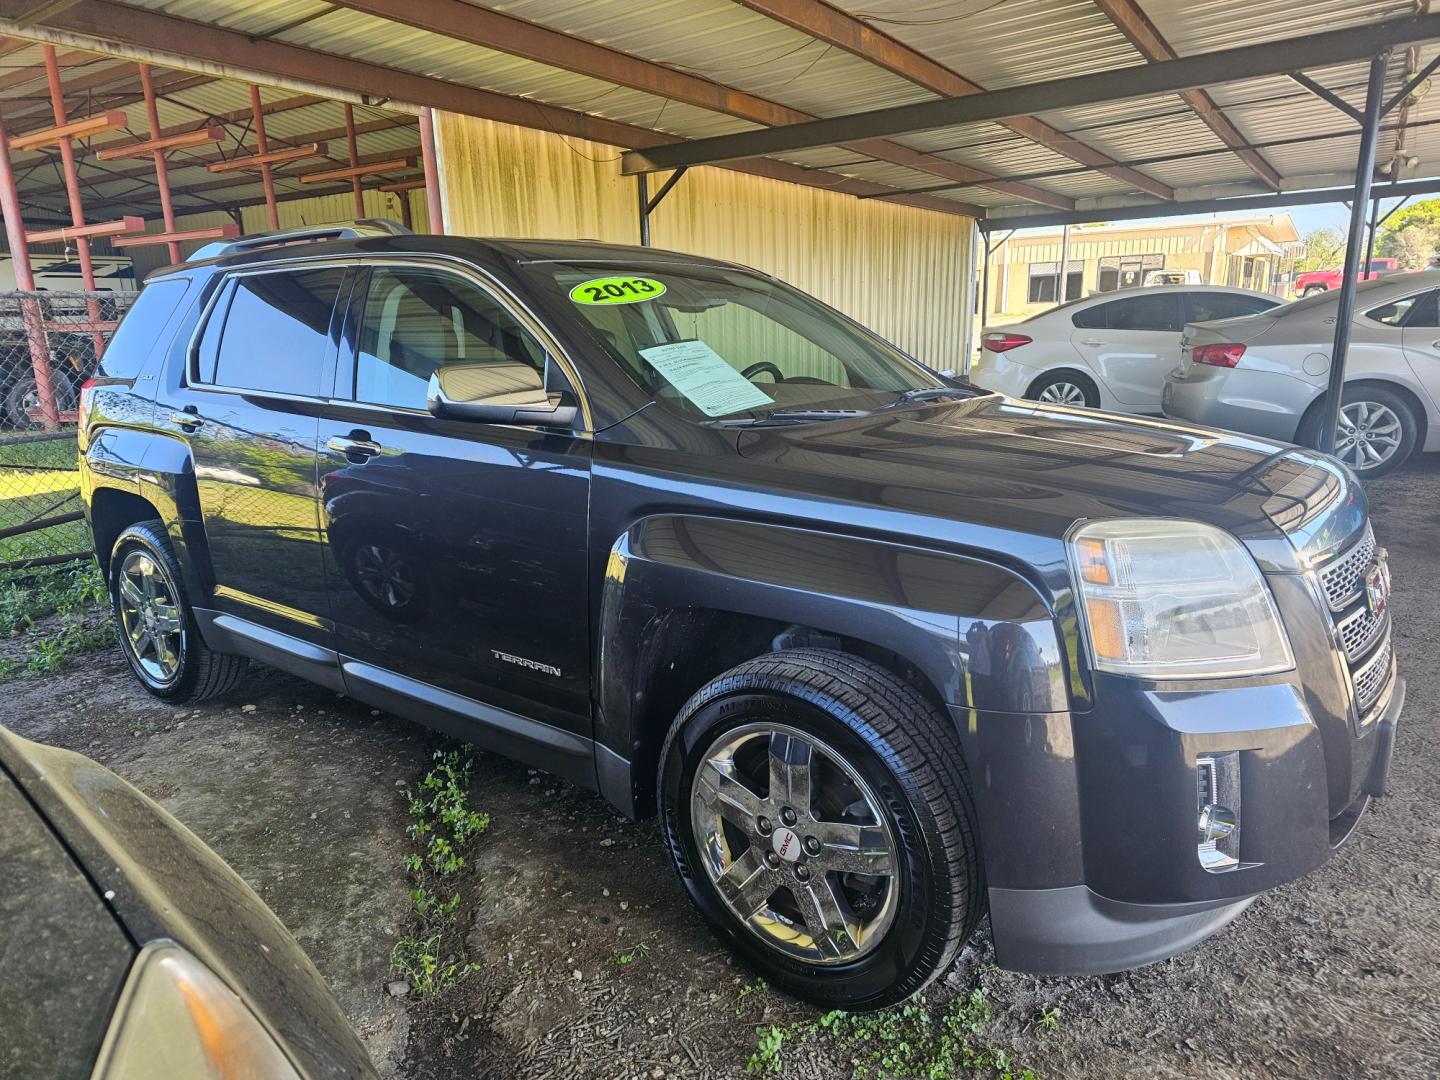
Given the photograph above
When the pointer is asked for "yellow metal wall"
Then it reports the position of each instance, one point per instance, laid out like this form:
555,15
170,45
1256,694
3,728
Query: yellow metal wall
897,269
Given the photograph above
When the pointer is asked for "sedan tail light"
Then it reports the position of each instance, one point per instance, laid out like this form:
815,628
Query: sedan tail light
998,342
1227,355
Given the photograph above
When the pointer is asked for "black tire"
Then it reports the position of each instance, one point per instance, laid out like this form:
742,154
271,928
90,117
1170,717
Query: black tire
1311,290
1359,395
906,752
201,672
1054,380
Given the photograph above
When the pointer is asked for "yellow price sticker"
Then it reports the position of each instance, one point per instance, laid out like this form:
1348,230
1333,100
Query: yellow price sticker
617,290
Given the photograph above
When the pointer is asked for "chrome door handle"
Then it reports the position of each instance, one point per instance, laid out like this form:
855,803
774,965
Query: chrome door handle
188,420
353,448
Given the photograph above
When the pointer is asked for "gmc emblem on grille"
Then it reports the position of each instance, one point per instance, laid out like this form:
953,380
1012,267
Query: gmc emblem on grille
1377,585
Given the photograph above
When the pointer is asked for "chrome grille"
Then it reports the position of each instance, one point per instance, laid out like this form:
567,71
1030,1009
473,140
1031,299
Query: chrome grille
1363,634
1344,579
1371,677
1358,631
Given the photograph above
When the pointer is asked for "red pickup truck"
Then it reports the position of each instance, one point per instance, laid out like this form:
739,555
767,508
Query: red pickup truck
1313,281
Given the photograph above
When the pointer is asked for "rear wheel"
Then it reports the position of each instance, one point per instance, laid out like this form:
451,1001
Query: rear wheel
1311,290
1377,430
819,813
155,624
1065,388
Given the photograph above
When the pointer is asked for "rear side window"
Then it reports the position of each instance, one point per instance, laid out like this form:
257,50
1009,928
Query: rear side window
1160,311
142,327
1208,306
1092,318
270,332
1417,310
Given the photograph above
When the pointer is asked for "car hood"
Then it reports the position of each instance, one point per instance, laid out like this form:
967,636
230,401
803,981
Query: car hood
1023,468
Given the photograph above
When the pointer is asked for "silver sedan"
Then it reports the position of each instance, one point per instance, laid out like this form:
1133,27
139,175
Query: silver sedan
1266,374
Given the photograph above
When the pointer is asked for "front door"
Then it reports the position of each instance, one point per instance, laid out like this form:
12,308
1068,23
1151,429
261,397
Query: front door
249,407
456,551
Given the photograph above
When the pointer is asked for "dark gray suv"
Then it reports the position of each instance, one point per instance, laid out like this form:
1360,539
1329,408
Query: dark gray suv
883,650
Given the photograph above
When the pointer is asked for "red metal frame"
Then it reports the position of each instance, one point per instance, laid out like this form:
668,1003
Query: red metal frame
432,173
25,280
257,112
354,160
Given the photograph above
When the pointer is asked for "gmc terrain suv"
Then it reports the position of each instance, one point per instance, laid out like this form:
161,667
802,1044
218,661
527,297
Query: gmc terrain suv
883,650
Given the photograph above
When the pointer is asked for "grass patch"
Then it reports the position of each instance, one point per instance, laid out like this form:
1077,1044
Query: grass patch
444,827
910,1040
39,479
58,614
623,958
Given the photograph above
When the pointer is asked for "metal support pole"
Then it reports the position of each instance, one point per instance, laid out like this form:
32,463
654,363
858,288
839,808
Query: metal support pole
985,282
267,177
1345,311
354,160
25,281
72,192
432,171
1370,234
1064,258
642,188
162,173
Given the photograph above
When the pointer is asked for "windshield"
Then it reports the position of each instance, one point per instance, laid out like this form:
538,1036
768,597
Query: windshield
711,342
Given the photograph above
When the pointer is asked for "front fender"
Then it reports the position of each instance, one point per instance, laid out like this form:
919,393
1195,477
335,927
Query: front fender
980,634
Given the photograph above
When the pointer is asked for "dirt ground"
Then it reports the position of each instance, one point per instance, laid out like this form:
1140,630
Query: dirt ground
1337,975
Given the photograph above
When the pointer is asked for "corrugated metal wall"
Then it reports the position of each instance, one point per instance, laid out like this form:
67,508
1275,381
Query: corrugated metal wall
897,269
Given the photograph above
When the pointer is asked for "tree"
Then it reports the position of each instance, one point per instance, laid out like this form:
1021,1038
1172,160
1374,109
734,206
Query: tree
1324,250
1411,234
1410,245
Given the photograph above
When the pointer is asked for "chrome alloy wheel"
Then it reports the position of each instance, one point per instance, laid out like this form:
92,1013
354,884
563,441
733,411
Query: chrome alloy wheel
1063,393
150,617
795,843
1367,435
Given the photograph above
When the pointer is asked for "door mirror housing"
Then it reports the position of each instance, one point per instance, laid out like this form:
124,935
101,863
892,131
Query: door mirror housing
502,393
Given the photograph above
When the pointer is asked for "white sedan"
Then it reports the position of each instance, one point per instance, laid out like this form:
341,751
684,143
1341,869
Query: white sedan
1107,351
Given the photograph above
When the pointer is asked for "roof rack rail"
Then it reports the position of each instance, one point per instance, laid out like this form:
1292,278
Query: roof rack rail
310,234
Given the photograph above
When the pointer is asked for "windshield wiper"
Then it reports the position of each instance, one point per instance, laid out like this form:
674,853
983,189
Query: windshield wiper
792,416
931,393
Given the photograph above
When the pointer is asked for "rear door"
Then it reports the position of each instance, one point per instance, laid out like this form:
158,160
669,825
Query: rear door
1421,337
1131,343
249,408
456,551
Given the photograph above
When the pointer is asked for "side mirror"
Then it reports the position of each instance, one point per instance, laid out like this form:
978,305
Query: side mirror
502,393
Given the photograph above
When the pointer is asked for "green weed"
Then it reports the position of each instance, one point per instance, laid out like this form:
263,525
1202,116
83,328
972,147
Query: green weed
910,1040
75,595
443,826
418,963
745,991
623,959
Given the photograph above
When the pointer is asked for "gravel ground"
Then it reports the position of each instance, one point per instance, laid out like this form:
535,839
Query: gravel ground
1337,975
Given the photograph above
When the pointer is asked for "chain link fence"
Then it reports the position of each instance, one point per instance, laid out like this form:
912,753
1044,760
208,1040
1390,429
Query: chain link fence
50,343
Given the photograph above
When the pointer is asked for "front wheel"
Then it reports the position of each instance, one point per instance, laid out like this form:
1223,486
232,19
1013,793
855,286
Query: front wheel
820,817
155,625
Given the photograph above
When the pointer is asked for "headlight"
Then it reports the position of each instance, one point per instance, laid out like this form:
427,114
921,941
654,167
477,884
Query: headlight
1167,599
176,1018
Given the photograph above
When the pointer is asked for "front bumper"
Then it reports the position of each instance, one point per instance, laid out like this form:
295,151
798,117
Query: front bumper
1090,834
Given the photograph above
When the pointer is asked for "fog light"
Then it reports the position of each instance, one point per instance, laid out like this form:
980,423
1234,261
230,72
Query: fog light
1218,805
1216,823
